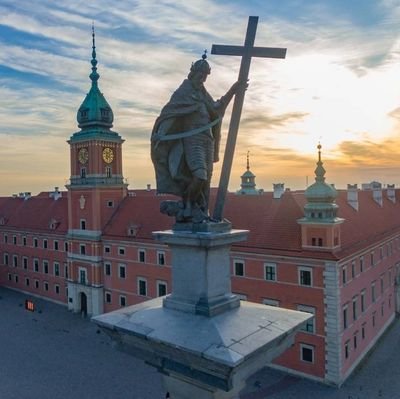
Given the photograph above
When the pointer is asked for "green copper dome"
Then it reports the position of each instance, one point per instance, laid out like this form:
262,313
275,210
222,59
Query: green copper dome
95,110
320,191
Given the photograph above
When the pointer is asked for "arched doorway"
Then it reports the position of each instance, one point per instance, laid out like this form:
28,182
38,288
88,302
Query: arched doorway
83,298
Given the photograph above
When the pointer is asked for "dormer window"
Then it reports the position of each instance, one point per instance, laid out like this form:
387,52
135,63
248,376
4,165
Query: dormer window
84,113
53,224
104,113
132,230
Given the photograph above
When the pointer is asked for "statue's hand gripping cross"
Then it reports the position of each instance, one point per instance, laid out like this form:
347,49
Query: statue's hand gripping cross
247,52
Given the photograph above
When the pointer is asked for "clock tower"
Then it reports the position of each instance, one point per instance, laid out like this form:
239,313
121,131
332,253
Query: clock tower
95,190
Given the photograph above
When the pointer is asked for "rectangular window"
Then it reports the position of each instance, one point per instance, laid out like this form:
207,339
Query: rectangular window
27,281
344,275
161,288
353,269
345,321
121,271
110,204
25,262
238,268
305,276
45,244
16,278
5,238
45,267
122,300
107,249
361,264
107,269
15,260
82,276
161,258
363,331
142,286
108,297
355,341
83,224
9,277
271,302
15,240
307,353
142,256
5,258
24,241
46,286
35,243
355,308
372,259
382,308
347,349
36,265
373,319
83,173
108,171
82,249
55,245
57,289
363,301
36,283
270,271
56,269
310,325
65,271
121,251
66,246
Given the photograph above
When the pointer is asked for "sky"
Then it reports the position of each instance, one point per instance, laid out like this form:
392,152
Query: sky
339,84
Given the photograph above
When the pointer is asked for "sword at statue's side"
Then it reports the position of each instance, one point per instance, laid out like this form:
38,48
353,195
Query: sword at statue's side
247,52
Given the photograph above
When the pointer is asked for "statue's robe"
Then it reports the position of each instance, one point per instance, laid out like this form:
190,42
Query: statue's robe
189,108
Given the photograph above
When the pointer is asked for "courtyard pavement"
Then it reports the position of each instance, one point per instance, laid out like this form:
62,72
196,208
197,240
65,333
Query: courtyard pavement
55,354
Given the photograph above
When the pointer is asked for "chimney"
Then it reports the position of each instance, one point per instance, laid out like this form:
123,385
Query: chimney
391,193
352,196
56,194
279,189
377,194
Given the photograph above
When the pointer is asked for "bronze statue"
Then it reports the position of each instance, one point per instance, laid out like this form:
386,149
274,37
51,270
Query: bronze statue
185,144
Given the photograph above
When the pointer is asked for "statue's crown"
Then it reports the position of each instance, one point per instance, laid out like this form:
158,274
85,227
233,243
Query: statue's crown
201,65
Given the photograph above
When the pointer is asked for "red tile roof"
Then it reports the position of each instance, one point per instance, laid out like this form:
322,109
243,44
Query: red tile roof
272,222
35,213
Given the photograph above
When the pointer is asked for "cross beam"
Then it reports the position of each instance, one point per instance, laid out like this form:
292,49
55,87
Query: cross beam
246,52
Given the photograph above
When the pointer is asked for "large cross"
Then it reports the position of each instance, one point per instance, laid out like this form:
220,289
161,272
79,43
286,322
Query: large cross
247,52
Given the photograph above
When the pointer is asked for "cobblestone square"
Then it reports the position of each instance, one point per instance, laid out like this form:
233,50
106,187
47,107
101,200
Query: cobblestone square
52,353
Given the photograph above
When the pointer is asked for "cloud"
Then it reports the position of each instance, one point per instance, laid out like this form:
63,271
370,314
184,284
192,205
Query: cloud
265,122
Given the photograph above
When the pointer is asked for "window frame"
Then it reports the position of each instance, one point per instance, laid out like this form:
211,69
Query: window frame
305,269
273,268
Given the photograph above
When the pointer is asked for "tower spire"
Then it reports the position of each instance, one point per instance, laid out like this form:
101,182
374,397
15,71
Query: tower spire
319,170
248,160
94,76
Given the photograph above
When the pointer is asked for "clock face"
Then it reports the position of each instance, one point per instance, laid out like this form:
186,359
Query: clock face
108,155
83,155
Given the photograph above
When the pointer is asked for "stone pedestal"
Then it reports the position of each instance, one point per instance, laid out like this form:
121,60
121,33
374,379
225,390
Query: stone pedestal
201,337
201,270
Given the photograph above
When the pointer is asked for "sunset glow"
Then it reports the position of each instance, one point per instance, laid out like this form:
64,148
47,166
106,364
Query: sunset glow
339,85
